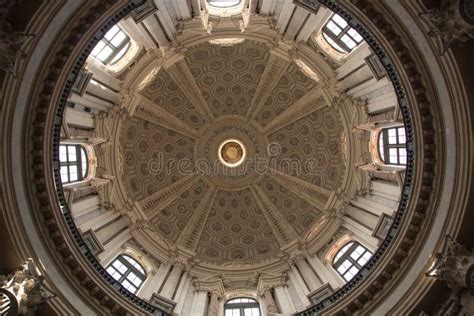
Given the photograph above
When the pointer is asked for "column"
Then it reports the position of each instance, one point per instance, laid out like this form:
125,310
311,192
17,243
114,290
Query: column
390,176
83,192
387,116
151,285
198,307
213,309
181,294
85,205
113,247
327,273
139,36
79,133
369,219
103,76
300,286
362,233
385,189
106,233
172,281
310,278
270,302
96,219
79,118
284,300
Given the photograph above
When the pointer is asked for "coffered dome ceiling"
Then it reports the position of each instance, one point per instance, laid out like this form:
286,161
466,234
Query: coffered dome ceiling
286,156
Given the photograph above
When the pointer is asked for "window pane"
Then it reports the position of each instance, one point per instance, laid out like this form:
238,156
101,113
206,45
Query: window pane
105,53
98,48
120,54
62,153
353,33
348,41
73,176
251,311
333,44
355,255
353,270
334,28
110,34
64,174
393,155
401,136
363,260
72,155
339,21
118,39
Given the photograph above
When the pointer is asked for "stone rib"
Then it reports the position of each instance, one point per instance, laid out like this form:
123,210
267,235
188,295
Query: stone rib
275,68
309,103
282,230
151,112
182,76
191,234
313,194
153,204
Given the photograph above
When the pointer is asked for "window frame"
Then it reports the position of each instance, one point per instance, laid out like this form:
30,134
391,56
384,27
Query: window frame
385,156
337,39
130,269
115,49
242,306
81,174
338,261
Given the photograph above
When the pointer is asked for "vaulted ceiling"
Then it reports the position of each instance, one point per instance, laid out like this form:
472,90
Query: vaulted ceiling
170,153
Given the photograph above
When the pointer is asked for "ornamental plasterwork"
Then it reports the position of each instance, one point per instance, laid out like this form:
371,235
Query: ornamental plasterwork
26,288
449,25
12,42
233,227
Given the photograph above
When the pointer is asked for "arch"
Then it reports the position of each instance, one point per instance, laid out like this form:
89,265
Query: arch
242,306
224,3
127,271
350,258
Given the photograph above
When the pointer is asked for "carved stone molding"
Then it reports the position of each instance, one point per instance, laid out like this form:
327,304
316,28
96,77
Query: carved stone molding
454,265
27,289
450,23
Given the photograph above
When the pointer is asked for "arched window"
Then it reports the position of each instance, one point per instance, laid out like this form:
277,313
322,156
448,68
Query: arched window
350,259
223,3
340,35
73,161
128,272
392,146
112,47
241,307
